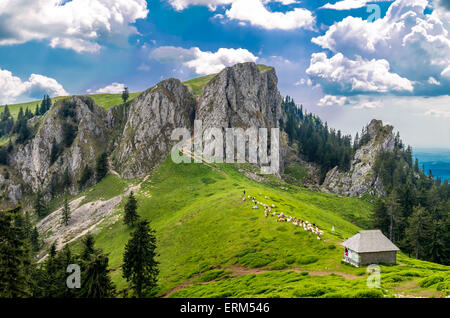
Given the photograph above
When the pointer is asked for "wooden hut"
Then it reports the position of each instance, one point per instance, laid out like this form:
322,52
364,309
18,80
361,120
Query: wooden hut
369,247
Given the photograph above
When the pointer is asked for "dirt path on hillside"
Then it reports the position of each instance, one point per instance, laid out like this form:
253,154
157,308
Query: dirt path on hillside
238,271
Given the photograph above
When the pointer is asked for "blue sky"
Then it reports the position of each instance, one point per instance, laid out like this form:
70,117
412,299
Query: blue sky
331,56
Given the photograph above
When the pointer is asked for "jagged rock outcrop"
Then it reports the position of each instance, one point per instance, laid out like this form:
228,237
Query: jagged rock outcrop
145,140
136,135
361,177
32,161
241,96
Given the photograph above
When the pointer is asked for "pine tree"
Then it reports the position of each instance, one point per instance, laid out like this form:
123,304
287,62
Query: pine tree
139,264
418,231
15,259
131,215
125,95
66,212
40,207
96,282
102,166
88,247
35,239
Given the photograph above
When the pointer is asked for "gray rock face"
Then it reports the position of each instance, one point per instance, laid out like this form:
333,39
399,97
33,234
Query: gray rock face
152,116
241,96
361,178
32,160
137,136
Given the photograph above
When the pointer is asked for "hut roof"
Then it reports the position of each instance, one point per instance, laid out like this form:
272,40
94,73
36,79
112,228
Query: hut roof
369,242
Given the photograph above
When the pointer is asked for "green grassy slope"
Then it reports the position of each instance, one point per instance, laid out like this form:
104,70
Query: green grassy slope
103,100
212,243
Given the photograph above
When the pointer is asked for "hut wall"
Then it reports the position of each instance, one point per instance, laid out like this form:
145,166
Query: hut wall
378,257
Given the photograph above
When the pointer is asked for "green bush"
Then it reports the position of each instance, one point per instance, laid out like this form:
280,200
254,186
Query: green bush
256,260
371,293
290,260
278,265
314,291
308,259
431,280
332,247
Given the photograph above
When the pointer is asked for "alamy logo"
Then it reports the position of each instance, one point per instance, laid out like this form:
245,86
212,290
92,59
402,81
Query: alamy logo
374,278
74,279
375,11
208,146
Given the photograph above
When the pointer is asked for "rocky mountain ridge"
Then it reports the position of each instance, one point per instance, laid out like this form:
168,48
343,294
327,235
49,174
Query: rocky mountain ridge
361,179
136,135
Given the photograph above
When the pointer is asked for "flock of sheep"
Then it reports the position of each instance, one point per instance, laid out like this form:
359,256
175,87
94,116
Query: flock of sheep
281,217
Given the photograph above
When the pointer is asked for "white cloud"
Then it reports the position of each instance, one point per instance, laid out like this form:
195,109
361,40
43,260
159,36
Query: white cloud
13,88
114,88
350,4
203,62
406,34
345,5
330,101
433,81
211,4
255,13
79,25
440,113
368,105
339,74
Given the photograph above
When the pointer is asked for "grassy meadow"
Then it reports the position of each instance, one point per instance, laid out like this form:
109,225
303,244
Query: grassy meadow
213,244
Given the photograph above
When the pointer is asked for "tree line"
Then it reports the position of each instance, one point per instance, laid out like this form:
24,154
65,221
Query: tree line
414,212
315,140
22,276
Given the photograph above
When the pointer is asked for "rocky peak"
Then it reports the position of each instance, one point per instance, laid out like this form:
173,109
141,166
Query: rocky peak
32,160
145,140
241,96
361,177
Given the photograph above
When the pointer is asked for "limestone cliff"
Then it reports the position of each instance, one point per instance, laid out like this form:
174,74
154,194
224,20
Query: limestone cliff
361,177
32,161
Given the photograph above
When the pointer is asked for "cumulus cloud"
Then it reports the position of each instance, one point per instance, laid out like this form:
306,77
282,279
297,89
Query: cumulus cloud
254,12
341,75
403,37
368,105
345,5
330,101
350,4
79,25
114,88
202,62
12,87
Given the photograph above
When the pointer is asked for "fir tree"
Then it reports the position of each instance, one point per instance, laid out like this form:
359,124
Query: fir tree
418,231
88,247
66,212
139,261
35,239
96,282
15,259
131,215
40,207
125,95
